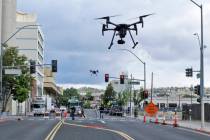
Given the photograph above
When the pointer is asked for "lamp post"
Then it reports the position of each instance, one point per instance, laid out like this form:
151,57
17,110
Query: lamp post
141,62
1,57
201,67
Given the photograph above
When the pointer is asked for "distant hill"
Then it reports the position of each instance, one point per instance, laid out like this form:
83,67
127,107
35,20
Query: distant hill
90,89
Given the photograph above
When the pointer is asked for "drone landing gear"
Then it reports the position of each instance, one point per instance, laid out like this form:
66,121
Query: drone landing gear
135,43
112,40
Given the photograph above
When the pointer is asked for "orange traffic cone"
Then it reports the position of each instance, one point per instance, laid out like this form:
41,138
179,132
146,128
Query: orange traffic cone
156,120
175,122
144,118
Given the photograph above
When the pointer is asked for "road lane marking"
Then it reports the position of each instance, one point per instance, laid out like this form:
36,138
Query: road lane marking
55,129
125,136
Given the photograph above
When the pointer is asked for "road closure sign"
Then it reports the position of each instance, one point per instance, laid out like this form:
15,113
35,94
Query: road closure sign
151,109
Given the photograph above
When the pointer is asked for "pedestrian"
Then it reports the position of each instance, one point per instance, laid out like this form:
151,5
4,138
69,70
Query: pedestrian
73,109
82,113
101,110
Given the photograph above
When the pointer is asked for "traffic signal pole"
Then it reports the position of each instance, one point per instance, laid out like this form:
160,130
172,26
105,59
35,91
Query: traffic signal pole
201,68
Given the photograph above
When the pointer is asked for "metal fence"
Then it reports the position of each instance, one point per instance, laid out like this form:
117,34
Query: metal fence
195,112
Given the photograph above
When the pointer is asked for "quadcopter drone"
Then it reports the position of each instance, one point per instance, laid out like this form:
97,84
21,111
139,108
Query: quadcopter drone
94,72
122,29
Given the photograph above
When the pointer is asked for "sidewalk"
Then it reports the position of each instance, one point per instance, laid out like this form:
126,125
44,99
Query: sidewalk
194,125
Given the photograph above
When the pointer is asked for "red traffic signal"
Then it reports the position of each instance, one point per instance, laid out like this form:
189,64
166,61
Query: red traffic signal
122,78
146,94
106,78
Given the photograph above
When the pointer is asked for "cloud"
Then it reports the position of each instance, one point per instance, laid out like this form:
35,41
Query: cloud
166,43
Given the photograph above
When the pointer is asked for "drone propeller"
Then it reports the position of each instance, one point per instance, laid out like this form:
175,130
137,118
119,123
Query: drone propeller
143,16
107,17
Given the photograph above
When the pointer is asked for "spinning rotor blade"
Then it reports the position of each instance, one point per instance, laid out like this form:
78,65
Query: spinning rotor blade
143,16
107,17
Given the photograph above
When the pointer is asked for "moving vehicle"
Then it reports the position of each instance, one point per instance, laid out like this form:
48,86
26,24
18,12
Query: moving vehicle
116,111
38,106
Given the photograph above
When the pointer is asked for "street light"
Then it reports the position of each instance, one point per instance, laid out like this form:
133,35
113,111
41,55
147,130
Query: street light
1,57
199,42
201,67
141,62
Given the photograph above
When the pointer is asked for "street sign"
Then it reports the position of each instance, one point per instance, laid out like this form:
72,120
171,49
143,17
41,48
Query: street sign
134,83
151,109
13,71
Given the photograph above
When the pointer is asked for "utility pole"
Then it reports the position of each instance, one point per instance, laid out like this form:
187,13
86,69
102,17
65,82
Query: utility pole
151,86
201,68
131,95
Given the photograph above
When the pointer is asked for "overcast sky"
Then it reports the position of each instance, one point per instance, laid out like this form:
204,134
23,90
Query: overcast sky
166,43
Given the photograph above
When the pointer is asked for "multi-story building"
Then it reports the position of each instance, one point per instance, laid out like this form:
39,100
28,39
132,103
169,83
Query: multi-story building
51,90
7,26
121,87
30,42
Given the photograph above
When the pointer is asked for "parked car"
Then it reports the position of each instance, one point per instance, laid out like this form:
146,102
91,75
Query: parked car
78,110
116,111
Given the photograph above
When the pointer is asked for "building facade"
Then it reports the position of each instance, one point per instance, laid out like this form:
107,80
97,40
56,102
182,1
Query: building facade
30,42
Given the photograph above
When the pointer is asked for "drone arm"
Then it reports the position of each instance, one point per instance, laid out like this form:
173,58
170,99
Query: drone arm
111,23
135,43
112,40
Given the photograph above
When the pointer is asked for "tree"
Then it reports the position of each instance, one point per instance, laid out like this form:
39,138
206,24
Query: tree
17,87
88,96
68,94
123,98
137,98
109,95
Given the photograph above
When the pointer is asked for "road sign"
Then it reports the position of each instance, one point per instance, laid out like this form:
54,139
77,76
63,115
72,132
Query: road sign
151,109
13,71
134,83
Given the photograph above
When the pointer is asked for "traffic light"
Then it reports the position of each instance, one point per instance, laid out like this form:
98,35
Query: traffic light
197,90
146,94
122,78
106,78
189,72
199,100
54,65
32,67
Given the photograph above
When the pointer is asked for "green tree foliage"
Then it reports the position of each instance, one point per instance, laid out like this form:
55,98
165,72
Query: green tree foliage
88,96
87,104
17,87
109,95
123,98
68,94
138,97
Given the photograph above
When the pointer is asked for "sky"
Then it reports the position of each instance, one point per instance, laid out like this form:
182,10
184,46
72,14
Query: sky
166,43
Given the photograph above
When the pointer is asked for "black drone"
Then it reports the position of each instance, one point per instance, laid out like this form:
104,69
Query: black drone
94,72
122,29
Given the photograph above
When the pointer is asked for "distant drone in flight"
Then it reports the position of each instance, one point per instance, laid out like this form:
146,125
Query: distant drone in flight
121,29
94,72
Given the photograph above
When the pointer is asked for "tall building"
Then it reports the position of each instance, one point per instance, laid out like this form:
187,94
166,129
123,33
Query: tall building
8,19
7,27
30,42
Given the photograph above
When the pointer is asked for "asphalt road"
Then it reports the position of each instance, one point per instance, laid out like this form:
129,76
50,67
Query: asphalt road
26,129
93,128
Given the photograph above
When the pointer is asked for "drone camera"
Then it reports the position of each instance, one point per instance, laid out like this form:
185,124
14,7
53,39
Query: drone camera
121,41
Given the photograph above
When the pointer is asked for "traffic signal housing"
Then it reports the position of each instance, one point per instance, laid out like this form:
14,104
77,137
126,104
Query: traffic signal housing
32,67
199,100
197,90
122,79
106,78
146,94
189,72
54,66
